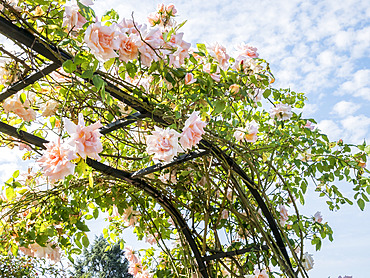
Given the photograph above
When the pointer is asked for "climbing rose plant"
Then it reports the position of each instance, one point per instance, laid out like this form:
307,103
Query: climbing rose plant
194,95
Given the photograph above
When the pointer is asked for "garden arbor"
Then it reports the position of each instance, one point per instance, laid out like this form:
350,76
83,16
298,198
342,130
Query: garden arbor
219,198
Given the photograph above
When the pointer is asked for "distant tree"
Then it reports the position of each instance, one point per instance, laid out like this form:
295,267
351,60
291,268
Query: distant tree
98,263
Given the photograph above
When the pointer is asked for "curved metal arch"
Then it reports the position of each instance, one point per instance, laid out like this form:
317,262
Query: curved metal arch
57,55
127,177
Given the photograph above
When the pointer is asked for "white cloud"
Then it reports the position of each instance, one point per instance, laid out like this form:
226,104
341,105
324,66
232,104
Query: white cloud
345,108
356,128
358,86
352,129
310,109
331,129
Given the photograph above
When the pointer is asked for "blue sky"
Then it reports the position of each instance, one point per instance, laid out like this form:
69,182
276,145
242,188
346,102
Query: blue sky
321,48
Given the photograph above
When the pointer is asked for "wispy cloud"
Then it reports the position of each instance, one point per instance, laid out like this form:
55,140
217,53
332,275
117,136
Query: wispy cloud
345,108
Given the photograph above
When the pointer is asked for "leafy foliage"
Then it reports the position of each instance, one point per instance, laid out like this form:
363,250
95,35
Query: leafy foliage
25,267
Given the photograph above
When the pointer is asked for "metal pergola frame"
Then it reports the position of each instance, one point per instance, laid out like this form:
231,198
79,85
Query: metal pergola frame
57,56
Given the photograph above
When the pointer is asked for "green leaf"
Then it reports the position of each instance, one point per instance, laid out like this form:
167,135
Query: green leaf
361,204
267,93
91,180
9,193
202,47
193,60
14,249
180,25
131,69
219,106
87,74
81,167
69,66
108,64
16,174
85,241
367,150
169,78
96,213
78,243
82,226
22,97
98,81
86,12
52,121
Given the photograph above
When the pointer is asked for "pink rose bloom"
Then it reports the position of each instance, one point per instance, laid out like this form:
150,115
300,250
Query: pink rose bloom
128,26
130,255
161,8
135,268
52,253
283,215
72,19
154,19
56,161
224,214
171,10
246,64
23,146
216,75
153,38
192,131
22,110
318,217
189,79
128,47
234,88
152,239
102,41
239,135
48,108
249,133
260,274
85,139
177,50
26,251
281,111
165,178
130,216
218,52
146,274
251,130
163,143
28,115
309,125
246,51
256,96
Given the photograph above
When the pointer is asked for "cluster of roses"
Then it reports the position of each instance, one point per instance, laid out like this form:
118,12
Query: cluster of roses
127,40
50,251
163,15
20,104
164,143
84,141
136,268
